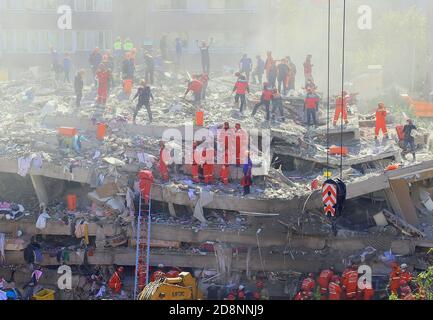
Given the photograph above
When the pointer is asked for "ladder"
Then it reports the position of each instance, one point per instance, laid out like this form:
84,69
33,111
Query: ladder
142,254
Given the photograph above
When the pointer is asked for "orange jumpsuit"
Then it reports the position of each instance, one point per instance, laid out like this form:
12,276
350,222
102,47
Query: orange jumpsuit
341,109
162,165
208,168
115,283
334,291
350,283
323,281
225,174
308,285
381,122
394,280
406,276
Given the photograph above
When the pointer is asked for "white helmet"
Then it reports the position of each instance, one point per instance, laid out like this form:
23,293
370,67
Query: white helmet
160,265
241,287
403,266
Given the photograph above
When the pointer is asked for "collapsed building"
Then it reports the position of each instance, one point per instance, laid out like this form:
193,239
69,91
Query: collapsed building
212,230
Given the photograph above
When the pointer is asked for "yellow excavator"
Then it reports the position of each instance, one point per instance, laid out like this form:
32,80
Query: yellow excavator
184,287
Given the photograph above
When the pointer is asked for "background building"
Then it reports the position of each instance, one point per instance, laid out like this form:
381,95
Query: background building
29,27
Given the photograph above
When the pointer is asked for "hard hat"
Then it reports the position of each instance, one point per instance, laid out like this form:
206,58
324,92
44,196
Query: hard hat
256,296
403,266
311,275
160,265
241,287
231,296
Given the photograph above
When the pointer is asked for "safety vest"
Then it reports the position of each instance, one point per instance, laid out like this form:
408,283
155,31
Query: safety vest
311,102
128,46
241,87
334,291
324,278
118,45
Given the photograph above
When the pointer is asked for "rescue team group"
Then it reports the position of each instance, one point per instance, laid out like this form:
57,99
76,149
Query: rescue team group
330,286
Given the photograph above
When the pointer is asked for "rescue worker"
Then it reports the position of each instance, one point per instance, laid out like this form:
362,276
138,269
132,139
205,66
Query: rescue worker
381,121
158,273
341,109
308,69
273,74
246,66
265,100
405,274
128,71
268,64
204,78
208,166
247,180
205,56
95,60
241,293
118,50
163,156
405,292
259,71
350,282
34,280
323,282
311,106
128,45
394,279
409,140
144,95
115,282
277,106
195,86
224,140
308,284
67,66
149,63
78,87
241,88
102,76
334,289
292,75
263,291
283,76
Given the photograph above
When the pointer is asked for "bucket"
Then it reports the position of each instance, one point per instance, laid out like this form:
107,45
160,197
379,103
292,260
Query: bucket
45,294
100,132
72,202
199,118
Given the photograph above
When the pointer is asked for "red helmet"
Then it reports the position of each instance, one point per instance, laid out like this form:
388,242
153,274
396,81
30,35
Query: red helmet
231,296
241,295
256,296
335,278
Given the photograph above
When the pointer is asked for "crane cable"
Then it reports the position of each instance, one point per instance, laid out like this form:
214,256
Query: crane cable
329,80
342,89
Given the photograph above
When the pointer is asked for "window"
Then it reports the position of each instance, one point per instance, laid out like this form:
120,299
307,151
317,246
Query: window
21,41
171,5
216,4
234,4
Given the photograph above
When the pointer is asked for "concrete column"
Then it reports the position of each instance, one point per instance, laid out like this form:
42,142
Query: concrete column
40,190
399,199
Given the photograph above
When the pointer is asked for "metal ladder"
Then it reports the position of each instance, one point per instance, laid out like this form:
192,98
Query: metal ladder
142,229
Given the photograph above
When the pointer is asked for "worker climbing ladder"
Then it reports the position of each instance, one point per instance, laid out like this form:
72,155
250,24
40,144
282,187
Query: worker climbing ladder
143,230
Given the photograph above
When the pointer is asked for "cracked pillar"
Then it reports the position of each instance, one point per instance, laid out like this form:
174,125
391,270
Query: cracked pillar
40,190
400,200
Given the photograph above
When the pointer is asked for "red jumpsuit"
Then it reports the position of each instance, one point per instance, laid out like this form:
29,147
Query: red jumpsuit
334,291
208,168
103,77
323,281
381,122
341,109
308,285
162,165
394,280
225,174
241,144
115,283
350,283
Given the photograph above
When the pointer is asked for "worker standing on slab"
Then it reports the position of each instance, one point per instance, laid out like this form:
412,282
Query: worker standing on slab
334,289
311,106
205,56
308,69
247,180
292,75
265,100
128,71
409,140
405,274
163,156
246,66
144,95
103,76
95,60
323,282
78,87
341,109
350,282
283,76
268,64
241,88
308,284
381,121
259,71
394,278
277,106
115,282
195,86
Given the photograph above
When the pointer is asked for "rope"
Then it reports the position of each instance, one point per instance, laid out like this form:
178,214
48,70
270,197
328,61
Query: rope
342,87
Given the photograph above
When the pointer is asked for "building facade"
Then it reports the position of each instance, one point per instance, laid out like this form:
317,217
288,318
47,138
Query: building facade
28,28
